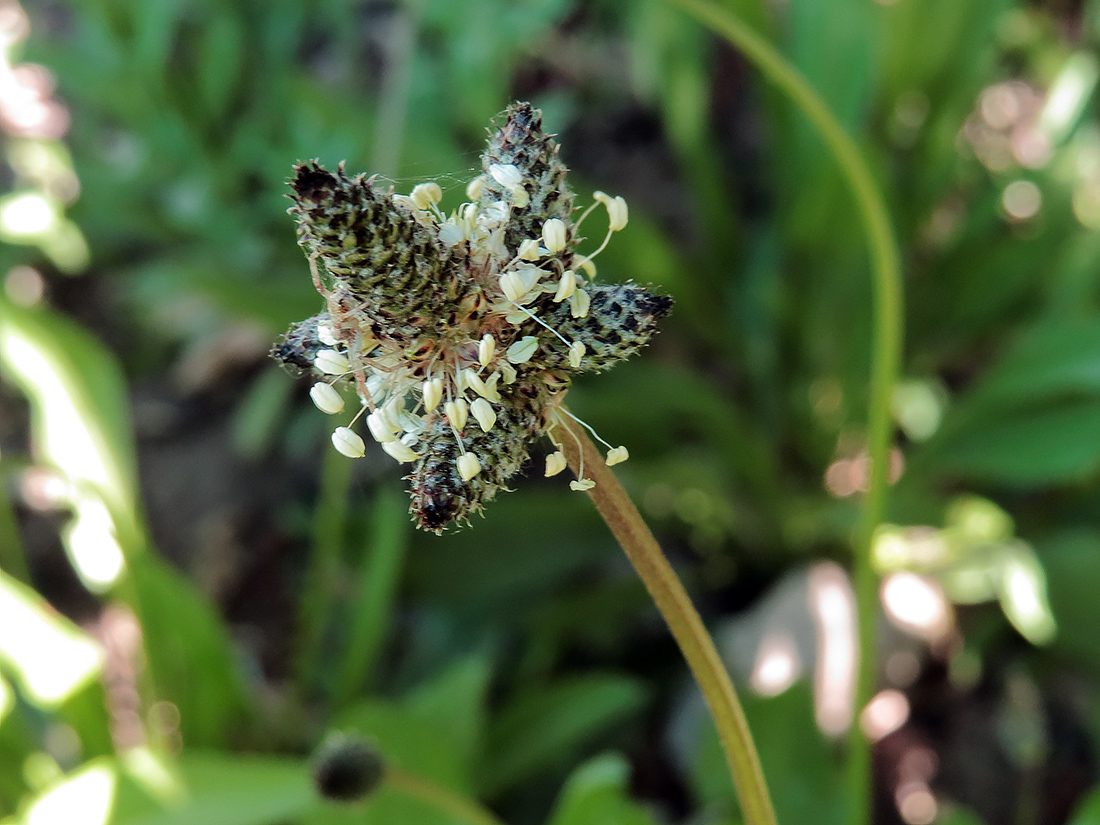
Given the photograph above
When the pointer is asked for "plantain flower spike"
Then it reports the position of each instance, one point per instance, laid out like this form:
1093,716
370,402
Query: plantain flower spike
460,333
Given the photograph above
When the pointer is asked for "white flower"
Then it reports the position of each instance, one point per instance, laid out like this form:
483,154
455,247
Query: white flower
475,187
566,286
348,443
553,234
326,398
331,362
506,174
513,287
451,233
472,380
483,411
433,393
326,335
426,195
456,412
402,452
522,350
579,302
485,349
617,212
380,427
617,456
555,463
528,250
468,466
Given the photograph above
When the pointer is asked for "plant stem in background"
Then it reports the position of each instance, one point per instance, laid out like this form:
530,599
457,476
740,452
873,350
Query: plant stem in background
886,347
682,619
440,798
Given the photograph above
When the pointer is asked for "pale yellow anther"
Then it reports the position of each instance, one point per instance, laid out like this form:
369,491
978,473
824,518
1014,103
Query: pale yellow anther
468,466
616,455
566,286
331,362
617,212
576,353
528,250
506,174
588,267
426,195
555,463
522,350
520,198
475,187
583,484
381,428
579,302
491,393
433,393
553,234
485,349
513,286
348,443
326,398
456,412
326,335
482,410
473,381
402,452
508,373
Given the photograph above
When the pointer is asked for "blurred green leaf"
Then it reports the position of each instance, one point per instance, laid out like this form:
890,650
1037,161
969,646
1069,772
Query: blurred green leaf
1088,811
597,794
190,656
542,728
228,789
805,780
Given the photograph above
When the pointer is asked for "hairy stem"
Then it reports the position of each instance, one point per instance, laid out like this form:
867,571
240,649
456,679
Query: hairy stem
888,323
682,619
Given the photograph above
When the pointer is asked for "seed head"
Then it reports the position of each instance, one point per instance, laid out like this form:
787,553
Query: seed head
461,333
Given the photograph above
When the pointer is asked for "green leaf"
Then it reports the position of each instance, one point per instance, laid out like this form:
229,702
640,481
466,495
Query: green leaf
410,739
189,654
543,728
228,789
805,781
372,607
1027,447
596,794
1073,580
455,703
1088,812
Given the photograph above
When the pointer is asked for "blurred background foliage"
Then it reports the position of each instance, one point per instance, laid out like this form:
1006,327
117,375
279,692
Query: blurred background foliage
194,588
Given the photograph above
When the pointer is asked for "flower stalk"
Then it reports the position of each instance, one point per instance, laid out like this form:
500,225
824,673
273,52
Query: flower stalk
675,606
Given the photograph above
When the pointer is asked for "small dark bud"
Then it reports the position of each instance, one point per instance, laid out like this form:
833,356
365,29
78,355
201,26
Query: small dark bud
346,767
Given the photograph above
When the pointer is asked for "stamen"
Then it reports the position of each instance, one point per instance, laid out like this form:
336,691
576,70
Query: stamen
348,443
468,466
484,414
485,349
331,362
326,398
555,463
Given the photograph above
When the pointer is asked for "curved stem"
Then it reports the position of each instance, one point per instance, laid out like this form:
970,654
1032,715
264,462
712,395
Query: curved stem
886,344
682,619
440,798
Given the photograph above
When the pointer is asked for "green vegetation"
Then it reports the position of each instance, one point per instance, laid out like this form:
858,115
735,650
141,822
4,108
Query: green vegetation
196,592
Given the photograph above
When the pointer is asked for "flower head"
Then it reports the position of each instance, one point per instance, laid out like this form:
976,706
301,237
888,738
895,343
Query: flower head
461,332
